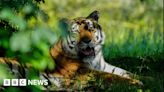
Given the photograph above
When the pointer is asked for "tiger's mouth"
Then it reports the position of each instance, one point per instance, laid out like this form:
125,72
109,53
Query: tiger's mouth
85,52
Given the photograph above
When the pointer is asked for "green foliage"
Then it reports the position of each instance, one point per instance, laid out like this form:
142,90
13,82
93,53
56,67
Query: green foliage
24,33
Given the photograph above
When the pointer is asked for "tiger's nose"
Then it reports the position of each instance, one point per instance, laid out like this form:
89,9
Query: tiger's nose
86,40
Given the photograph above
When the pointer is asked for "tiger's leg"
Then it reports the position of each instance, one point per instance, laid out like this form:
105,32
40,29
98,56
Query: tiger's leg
115,73
99,64
116,70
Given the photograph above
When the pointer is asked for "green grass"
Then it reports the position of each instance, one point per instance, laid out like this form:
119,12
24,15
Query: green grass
149,68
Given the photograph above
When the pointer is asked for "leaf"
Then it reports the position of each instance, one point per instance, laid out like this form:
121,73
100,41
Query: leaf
20,42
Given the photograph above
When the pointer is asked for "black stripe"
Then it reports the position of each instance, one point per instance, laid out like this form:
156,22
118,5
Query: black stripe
70,47
125,74
96,66
71,42
46,77
68,38
101,36
113,70
10,65
21,70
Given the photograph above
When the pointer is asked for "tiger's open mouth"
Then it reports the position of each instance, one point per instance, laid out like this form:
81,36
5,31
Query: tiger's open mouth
85,52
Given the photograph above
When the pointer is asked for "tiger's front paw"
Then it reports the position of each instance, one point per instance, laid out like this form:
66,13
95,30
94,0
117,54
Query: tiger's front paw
137,82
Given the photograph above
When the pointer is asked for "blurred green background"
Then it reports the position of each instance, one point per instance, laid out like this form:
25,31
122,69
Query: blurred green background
133,28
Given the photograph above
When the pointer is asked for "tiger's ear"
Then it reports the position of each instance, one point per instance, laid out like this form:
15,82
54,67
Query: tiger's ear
94,15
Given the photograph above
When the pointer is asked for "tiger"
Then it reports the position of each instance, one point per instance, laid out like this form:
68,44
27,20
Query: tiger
77,55
81,48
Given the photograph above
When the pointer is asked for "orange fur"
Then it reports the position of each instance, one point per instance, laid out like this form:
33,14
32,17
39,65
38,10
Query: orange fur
66,67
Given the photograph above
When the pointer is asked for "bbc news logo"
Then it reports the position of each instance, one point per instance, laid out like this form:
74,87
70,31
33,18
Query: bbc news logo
23,82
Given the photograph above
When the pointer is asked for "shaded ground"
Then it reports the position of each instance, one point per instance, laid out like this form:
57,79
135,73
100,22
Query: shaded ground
149,68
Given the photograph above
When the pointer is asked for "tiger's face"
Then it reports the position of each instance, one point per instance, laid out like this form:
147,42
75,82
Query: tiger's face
85,36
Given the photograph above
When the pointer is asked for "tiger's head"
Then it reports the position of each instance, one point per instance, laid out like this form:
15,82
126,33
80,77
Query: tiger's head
84,36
